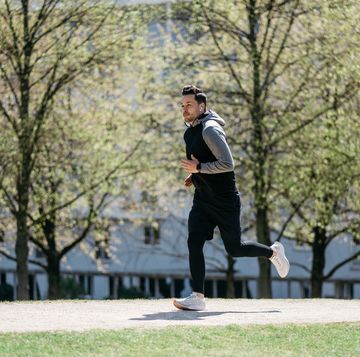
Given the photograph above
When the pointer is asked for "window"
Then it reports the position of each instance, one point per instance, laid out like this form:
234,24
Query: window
148,198
111,287
2,278
39,253
102,239
102,248
152,233
86,282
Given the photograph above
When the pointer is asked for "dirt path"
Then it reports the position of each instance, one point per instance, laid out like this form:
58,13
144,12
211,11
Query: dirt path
86,315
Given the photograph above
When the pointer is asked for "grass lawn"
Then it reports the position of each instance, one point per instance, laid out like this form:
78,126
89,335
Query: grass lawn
233,340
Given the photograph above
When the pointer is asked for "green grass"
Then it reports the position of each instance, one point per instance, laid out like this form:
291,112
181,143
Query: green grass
233,340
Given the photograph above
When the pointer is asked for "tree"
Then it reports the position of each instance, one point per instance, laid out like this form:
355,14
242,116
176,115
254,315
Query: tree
45,47
326,184
258,60
322,183
70,193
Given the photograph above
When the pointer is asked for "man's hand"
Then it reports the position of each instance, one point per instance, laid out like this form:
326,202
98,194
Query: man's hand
188,181
190,165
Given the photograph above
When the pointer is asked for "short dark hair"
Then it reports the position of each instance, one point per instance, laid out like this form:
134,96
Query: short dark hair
200,96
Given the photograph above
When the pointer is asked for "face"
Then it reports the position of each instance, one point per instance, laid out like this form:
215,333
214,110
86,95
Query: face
191,109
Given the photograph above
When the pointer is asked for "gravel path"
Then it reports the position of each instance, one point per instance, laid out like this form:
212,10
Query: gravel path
86,315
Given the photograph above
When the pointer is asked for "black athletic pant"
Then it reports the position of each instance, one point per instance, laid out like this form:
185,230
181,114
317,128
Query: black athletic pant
203,218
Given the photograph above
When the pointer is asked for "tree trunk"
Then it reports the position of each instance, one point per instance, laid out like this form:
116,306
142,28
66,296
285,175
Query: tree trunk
24,166
54,277
318,263
230,280
263,236
259,161
53,257
22,252
22,235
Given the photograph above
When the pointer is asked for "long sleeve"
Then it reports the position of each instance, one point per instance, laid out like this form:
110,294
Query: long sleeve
215,139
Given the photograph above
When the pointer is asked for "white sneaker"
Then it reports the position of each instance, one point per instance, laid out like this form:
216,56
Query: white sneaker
192,302
279,259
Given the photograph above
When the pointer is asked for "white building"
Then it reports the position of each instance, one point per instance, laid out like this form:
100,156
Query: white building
150,255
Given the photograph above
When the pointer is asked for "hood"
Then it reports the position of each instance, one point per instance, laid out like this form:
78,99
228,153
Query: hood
211,115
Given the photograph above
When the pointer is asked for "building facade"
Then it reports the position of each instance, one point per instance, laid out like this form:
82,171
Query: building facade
148,255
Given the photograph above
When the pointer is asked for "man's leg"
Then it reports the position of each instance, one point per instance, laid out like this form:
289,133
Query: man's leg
228,221
230,230
231,235
200,229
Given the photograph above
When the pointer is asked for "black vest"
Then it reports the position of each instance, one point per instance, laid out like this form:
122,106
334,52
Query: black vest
207,186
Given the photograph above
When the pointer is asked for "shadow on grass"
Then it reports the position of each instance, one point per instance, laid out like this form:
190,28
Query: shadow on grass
194,315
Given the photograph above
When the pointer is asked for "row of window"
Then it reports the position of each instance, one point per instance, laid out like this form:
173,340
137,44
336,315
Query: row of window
102,246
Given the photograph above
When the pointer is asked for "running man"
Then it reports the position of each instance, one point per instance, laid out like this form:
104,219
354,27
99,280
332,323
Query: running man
216,199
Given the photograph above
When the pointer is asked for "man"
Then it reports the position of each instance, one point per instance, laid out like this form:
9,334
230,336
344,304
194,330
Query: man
216,200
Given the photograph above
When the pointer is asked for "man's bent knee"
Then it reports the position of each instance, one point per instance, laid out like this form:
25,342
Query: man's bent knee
234,251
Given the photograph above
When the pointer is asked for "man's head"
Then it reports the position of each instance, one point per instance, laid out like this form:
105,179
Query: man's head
193,103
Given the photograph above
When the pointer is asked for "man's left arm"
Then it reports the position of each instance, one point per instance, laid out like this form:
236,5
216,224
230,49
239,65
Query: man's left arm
215,139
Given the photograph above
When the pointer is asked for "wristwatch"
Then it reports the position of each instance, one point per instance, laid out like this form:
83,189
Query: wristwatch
198,166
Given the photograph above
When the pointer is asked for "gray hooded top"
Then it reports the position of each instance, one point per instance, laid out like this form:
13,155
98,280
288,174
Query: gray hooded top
215,138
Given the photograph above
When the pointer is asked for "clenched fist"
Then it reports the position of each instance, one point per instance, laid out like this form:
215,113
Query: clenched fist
188,181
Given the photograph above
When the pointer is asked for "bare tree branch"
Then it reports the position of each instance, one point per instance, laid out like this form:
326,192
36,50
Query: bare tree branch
335,234
9,118
301,266
9,20
38,244
107,177
7,255
244,94
269,8
290,217
281,49
75,12
350,92
338,266
93,212
12,205
45,11
10,84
